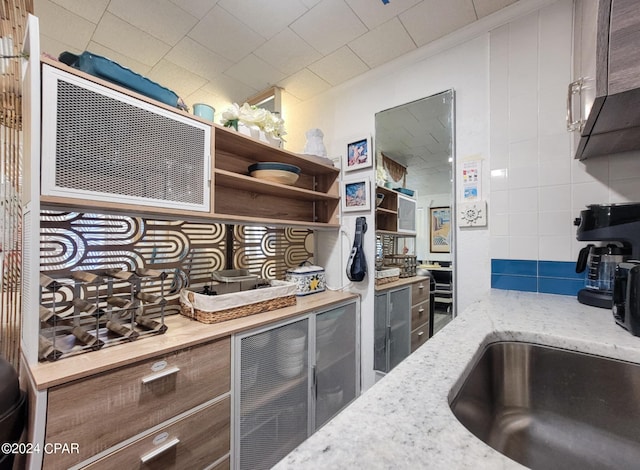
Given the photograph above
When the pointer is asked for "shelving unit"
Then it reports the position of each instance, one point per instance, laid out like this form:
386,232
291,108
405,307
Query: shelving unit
227,192
387,212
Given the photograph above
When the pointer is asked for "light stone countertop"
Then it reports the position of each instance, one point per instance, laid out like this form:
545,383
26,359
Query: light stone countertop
404,421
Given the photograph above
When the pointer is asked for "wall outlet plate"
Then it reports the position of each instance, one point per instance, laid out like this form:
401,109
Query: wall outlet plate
472,214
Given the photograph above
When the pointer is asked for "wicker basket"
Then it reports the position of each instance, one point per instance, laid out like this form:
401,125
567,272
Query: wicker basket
406,263
219,308
386,276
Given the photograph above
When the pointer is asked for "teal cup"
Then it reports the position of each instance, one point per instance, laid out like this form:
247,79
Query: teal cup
204,111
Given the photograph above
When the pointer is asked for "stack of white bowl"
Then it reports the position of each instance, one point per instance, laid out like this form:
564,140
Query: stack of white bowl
290,352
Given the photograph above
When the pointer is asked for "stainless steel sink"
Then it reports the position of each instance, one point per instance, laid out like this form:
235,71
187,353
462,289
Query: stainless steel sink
550,408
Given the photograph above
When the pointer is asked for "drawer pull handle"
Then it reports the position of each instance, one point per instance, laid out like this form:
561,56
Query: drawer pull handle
420,333
420,286
159,375
420,311
159,450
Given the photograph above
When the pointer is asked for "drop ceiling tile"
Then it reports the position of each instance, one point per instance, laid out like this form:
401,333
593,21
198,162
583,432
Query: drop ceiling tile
265,17
196,58
222,33
197,8
310,3
373,12
384,43
181,81
339,66
53,47
229,89
486,7
120,36
255,73
329,25
160,18
91,11
433,19
304,84
66,27
119,58
287,52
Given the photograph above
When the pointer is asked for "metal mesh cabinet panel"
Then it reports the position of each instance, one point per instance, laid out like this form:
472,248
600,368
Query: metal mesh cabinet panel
380,333
336,361
399,325
274,394
108,146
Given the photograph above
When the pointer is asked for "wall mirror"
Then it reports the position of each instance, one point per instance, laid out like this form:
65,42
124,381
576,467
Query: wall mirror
415,148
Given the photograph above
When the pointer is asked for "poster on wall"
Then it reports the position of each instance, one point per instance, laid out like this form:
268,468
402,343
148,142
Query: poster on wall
440,232
471,177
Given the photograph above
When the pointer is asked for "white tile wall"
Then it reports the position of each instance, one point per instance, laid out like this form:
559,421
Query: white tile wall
537,188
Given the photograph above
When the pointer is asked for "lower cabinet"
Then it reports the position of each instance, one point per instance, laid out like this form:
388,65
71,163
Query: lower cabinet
290,379
392,328
170,411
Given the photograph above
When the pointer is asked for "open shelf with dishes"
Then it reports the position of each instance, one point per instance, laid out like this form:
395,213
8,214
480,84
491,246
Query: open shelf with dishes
312,200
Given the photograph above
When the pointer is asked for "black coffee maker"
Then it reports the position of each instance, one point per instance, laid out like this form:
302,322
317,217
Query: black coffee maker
618,226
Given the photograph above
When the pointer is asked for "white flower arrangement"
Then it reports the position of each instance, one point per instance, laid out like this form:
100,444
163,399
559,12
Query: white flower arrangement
254,118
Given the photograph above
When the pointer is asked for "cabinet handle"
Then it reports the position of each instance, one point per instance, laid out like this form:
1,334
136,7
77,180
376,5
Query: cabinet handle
420,311
159,450
315,381
420,286
575,88
161,374
420,333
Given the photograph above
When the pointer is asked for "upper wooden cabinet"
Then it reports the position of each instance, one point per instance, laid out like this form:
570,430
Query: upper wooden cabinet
106,148
604,99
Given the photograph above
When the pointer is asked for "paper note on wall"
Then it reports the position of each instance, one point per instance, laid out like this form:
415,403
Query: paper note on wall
471,180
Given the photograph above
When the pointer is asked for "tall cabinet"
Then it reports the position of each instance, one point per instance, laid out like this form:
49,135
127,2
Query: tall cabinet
293,377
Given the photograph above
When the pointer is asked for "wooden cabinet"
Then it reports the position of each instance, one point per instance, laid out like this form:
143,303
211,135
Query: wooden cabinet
292,378
420,313
104,410
604,99
161,160
392,327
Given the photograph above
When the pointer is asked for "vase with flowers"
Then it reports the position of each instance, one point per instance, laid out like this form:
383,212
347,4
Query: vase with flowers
255,122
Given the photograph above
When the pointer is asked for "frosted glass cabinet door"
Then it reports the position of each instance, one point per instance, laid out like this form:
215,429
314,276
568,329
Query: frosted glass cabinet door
336,361
399,325
380,333
274,394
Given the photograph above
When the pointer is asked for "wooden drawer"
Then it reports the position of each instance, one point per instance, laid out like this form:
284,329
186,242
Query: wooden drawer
194,442
419,336
103,410
419,291
419,315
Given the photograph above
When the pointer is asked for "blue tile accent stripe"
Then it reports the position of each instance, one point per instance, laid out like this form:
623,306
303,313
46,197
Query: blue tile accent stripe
551,277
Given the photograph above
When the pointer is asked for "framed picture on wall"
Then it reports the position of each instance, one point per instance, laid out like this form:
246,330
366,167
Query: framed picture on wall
440,229
356,195
359,155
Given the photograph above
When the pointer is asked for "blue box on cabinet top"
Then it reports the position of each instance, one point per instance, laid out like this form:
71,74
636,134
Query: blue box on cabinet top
308,279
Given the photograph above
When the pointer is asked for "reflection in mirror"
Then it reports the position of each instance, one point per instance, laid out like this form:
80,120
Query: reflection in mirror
415,191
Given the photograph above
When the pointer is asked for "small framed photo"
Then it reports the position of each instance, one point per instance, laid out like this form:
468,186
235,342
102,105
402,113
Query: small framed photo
359,155
356,195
